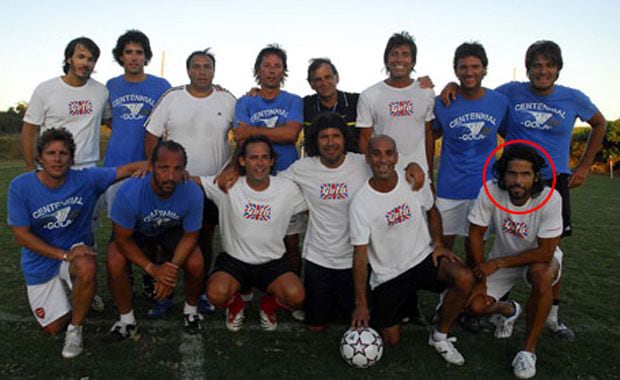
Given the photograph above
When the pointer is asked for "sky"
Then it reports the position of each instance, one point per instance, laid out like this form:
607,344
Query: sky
33,36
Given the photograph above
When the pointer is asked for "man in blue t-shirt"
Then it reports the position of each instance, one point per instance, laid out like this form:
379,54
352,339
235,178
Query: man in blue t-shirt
468,129
161,210
278,115
49,211
545,113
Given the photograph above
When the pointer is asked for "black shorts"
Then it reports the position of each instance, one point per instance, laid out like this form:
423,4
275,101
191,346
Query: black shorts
210,213
561,185
389,300
251,275
167,241
328,292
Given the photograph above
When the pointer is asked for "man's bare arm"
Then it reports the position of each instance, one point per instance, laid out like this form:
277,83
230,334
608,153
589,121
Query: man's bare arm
29,134
429,141
184,248
595,143
281,134
361,315
476,243
25,238
150,142
365,136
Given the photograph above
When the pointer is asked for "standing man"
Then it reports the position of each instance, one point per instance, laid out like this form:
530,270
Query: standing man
278,115
49,211
398,106
468,129
390,231
198,117
254,217
526,246
323,78
545,113
73,101
159,209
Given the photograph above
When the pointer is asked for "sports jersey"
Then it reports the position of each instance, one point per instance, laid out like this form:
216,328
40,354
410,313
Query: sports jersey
328,193
131,104
201,125
346,106
400,113
546,120
55,104
271,113
517,233
469,135
61,217
138,208
394,227
253,223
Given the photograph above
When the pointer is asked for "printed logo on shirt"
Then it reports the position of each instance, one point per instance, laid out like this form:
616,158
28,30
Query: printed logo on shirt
80,107
400,108
132,111
268,118
40,312
257,212
474,125
159,220
59,214
398,214
539,115
332,191
516,229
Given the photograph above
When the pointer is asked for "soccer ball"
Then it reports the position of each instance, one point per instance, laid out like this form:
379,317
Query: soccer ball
361,348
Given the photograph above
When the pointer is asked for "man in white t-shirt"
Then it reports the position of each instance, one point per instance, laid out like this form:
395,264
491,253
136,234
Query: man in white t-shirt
398,106
199,117
390,231
528,227
72,101
254,217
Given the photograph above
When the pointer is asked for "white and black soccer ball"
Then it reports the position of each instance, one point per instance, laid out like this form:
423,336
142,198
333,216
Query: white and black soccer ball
361,348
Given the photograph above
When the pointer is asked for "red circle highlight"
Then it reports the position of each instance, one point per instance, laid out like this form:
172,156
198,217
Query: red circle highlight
488,161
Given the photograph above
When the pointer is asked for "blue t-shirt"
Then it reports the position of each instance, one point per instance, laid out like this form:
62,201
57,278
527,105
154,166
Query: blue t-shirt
61,217
138,208
546,120
131,105
469,129
260,112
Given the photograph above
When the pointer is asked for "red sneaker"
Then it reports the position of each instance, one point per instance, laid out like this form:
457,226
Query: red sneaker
235,313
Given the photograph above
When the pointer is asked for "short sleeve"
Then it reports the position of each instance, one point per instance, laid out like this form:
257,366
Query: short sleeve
241,112
482,211
35,113
123,212
193,218
364,113
551,220
585,108
18,215
156,122
358,224
430,115
296,113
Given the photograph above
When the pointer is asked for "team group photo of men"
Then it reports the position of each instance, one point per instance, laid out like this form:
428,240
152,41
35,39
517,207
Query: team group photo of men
329,209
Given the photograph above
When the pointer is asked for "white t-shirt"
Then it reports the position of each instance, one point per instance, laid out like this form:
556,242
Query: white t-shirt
328,193
55,104
400,113
517,233
253,223
201,125
394,226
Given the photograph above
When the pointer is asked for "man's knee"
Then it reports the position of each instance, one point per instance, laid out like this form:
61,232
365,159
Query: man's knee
294,295
391,335
117,263
195,264
478,305
84,268
219,292
541,277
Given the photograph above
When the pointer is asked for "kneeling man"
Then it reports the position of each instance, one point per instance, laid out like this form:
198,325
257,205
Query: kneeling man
389,230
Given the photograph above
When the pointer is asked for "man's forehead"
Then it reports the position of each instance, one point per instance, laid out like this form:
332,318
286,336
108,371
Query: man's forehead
133,45
382,143
81,49
200,59
520,164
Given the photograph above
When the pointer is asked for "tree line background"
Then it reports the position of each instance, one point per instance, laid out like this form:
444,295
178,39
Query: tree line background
11,126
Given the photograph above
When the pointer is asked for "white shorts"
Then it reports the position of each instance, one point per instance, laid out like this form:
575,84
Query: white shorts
297,224
503,280
49,301
110,194
454,214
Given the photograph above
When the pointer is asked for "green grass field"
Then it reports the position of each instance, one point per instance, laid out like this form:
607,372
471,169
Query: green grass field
590,306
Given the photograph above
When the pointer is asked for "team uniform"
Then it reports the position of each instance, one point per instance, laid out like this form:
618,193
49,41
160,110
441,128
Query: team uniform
400,113
394,227
548,121
55,104
155,220
271,113
131,104
346,106
516,233
327,248
469,135
62,218
253,225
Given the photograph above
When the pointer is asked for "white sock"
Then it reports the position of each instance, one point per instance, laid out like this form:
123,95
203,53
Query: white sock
553,314
437,336
71,327
129,318
189,309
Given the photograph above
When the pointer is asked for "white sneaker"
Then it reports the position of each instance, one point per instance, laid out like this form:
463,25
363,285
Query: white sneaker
299,315
524,365
504,326
73,342
446,349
